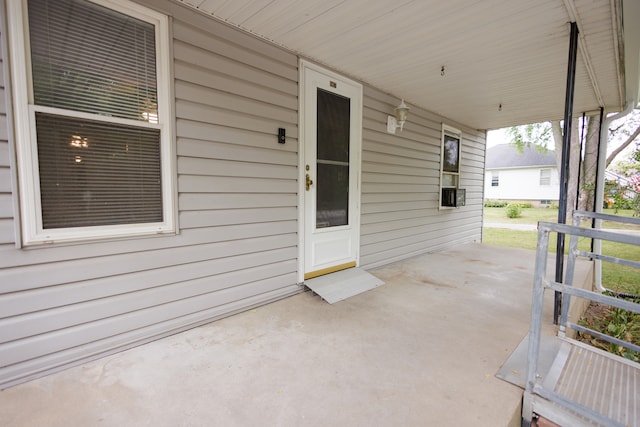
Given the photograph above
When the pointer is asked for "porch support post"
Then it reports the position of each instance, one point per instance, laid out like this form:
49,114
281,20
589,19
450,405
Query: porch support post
564,172
596,189
583,147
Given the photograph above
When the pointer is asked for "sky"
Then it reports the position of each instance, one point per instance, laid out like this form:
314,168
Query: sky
496,137
499,136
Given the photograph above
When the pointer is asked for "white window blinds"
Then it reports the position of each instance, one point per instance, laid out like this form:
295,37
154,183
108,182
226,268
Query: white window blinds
87,58
94,173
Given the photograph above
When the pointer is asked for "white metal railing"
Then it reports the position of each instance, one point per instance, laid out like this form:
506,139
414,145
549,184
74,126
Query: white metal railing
596,220
533,386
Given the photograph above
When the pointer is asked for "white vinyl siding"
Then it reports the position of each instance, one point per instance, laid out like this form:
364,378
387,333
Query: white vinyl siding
237,204
401,185
523,184
7,230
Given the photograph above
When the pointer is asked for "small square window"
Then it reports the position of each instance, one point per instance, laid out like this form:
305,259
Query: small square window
495,179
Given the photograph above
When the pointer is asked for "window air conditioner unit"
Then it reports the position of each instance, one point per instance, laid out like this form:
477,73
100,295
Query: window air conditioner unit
453,197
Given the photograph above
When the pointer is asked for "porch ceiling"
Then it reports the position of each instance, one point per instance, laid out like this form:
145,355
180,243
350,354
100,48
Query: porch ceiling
511,53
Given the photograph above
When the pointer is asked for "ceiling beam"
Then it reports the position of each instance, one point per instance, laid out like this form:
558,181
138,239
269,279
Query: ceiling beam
584,52
618,41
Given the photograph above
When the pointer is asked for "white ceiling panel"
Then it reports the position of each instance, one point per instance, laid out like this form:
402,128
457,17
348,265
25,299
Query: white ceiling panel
509,53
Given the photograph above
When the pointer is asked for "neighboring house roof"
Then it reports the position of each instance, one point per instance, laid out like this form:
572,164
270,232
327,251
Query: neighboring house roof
505,156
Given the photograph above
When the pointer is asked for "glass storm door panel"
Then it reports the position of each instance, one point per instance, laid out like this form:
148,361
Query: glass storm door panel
332,123
332,161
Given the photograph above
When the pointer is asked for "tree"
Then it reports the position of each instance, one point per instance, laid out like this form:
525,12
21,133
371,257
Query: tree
622,133
588,164
542,135
537,135
627,166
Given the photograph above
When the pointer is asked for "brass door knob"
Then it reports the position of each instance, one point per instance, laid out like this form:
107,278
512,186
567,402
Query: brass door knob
309,182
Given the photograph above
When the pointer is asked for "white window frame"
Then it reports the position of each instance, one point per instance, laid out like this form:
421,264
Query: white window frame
457,133
24,111
549,178
495,179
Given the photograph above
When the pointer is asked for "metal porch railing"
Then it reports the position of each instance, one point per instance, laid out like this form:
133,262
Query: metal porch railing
585,385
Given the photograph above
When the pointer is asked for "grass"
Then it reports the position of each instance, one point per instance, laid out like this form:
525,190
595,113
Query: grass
533,215
529,216
614,276
614,322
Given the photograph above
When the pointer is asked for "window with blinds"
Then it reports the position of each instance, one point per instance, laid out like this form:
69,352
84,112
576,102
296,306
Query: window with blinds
93,173
96,119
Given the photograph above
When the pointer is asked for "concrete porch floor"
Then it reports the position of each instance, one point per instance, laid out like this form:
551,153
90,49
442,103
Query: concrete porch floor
421,350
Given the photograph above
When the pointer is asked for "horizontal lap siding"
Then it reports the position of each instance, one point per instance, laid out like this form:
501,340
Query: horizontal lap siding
7,230
237,211
400,185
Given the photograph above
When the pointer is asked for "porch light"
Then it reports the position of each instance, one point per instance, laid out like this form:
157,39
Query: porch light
401,112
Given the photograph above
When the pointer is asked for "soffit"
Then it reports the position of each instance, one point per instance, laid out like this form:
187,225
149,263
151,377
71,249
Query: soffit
508,53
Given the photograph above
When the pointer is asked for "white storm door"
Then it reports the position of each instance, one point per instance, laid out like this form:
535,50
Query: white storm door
332,115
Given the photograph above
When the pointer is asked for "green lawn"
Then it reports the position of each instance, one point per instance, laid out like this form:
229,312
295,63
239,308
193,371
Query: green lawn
533,215
529,216
614,276
618,323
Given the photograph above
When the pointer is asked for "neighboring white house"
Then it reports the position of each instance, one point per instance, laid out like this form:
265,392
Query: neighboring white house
528,176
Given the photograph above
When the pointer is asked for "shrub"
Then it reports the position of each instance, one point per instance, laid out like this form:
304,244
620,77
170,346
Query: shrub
615,322
513,210
494,204
525,205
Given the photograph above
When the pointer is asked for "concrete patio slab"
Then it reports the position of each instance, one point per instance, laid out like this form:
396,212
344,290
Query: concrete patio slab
422,350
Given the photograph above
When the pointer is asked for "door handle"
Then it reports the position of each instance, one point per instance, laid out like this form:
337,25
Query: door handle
309,182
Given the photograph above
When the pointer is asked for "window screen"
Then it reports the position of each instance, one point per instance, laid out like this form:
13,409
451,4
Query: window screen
90,59
93,173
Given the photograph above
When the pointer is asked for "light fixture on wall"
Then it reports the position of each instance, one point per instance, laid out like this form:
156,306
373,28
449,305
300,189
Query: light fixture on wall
401,112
